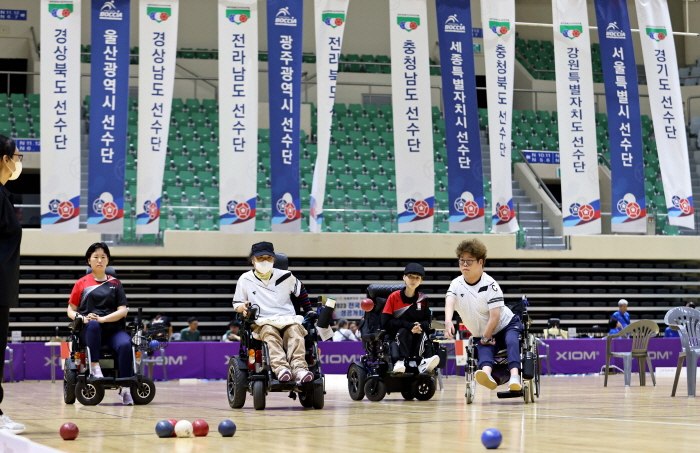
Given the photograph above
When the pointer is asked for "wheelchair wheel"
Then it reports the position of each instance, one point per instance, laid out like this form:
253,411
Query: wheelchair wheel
526,391
144,395
68,385
407,394
236,384
89,394
423,389
375,389
259,395
470,393
532,391
319,397
306,399
357,377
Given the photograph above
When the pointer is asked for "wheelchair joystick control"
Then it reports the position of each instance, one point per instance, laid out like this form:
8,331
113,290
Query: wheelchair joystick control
324,319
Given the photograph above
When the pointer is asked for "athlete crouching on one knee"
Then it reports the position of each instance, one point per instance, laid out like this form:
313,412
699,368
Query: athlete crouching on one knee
406,317
277,323
479,301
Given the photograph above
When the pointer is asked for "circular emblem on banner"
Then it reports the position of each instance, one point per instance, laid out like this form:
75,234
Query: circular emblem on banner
459,204
231,207
471,209
66,209
243,210
633,210
110,210
421,208
576,33
153,211
98,205
338,21
586,212
503,212
684,204
290,211
676,200
409,204
243,18
281,205
622,206
503,30
573,209
53,206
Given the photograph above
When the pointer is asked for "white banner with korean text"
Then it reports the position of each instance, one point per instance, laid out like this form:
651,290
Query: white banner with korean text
329,20
238,114
659,50
158,48
580,190
413,135
60,113
498,21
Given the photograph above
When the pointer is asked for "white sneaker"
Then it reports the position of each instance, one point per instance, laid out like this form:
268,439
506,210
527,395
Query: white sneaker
125,397
429,364
514,384
8,426
97,372
485,379
399,367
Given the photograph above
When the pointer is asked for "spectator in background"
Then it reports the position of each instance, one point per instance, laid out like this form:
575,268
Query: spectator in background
232,332
621,315
614,325
690,304
191,333
355,330
343,333
671,333
161,320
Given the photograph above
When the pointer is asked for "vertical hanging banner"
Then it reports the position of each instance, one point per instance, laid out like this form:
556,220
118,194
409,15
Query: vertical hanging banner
238,114
158,47
580,190
464,170
663,82
624,118
60,113
285,19
109,100
413,134
498,21
329,18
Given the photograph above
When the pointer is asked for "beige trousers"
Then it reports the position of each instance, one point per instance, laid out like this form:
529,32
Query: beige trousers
289,339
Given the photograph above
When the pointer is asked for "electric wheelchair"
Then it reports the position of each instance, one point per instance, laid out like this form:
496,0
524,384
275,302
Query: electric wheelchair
250,370
372,375
530,364
80,384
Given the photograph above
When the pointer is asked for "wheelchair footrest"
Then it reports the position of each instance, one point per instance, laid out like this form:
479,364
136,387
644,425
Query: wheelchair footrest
510,394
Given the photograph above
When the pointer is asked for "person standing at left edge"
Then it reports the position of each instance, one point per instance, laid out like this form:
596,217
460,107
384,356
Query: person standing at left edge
10,239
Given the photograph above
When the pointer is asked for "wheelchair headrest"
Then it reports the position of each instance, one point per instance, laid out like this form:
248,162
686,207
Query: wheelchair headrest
108,270
281,262
374,291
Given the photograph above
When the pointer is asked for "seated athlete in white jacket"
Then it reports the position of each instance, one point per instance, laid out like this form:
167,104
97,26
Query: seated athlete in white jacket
270,290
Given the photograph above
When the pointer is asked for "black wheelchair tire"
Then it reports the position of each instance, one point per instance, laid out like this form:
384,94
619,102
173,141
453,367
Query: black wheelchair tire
319,397
406,390
147,392
259,395
236,384
89,394
69,381
306,399
379,389
423,389
357,377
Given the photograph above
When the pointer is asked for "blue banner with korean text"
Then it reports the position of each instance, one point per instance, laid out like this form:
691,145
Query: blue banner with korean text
284,46
624,120
464,167
109,96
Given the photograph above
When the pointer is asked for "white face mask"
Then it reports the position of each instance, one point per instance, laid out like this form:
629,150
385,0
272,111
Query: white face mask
17,171
263,267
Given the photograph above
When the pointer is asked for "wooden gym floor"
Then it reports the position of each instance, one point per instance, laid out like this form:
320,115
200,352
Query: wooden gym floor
574,414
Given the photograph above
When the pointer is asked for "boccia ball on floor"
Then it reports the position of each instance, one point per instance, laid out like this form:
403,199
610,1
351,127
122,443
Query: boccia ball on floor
69,431
173,422
200,428
164,429
491,438
183,428
227,428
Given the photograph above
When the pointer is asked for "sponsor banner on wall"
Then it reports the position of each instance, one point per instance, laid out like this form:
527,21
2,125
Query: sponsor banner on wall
60,114
580,189
663,83
329,19
624,117
158,49
413,135
284,46
498,19
238,114
464,169
109,103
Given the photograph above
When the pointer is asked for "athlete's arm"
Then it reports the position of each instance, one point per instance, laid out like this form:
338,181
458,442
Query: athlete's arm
449,312
494,316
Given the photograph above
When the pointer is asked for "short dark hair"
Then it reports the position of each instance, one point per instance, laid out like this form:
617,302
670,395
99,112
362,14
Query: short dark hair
191,320
95,246
612,323
234,323
691,304
474,247
7,146
342,322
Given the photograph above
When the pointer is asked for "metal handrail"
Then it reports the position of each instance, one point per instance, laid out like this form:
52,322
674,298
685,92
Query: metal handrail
605,159
539,181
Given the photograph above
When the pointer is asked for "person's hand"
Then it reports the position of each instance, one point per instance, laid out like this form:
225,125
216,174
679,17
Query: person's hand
243,308
231,336
416,328
91,317
491,341
101,319
449,330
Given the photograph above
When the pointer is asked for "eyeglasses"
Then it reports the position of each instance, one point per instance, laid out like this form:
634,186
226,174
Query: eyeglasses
21,156
468,262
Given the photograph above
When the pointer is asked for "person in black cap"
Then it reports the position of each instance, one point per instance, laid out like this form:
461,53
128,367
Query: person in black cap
407,317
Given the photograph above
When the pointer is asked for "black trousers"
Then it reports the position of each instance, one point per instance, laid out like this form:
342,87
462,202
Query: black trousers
413,344
4,326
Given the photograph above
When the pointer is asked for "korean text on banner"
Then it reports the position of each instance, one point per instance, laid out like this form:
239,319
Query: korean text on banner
238,114
624,121
580,191
109,99
464,169
413,135
285,20
329,19
158,47
498,20
663,83
60,113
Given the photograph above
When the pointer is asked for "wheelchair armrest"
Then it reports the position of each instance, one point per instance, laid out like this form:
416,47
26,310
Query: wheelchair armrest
77,324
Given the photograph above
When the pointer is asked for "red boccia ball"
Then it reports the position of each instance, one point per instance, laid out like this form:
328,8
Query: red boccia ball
200,428
367,304
69,431
173,422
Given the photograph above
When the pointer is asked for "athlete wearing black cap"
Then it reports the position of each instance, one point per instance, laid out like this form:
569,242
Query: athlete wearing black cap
407,317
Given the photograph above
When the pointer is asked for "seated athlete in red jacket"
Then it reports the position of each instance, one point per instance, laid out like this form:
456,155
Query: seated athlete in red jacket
406,317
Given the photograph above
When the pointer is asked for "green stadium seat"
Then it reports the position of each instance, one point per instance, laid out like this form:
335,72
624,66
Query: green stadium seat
551,144
340,110
5,114
387,138
356,110
387,110
22,129
365,124
17,100
186,52
520,143
178,105
436,113
34,100
347,123
133,117
530,117
210,105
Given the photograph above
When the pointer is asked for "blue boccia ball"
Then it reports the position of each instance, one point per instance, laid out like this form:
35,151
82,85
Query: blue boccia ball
227,428
154,344
491,438
164,429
